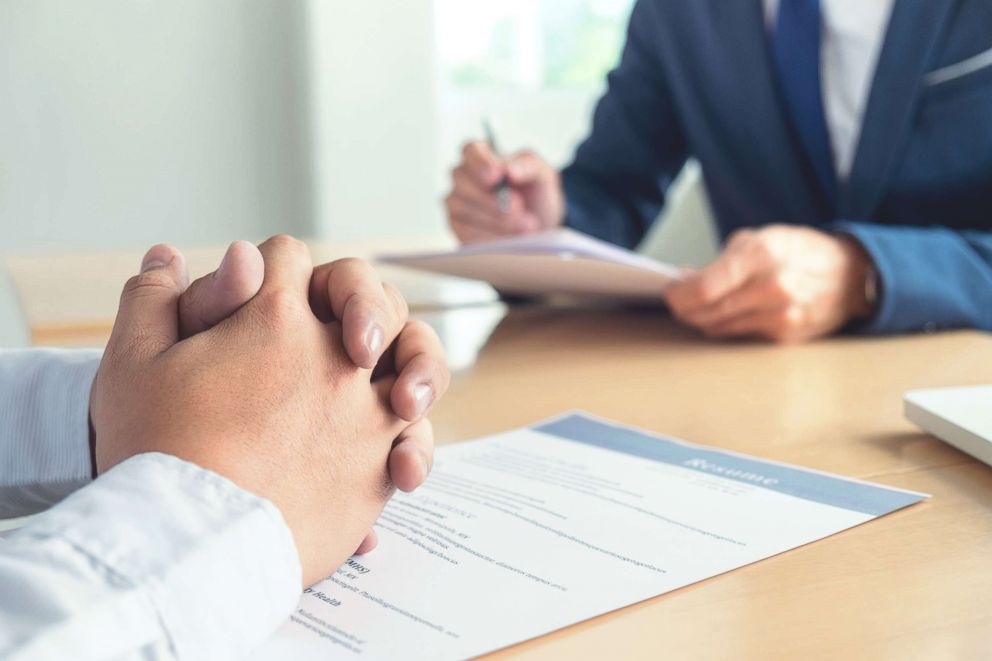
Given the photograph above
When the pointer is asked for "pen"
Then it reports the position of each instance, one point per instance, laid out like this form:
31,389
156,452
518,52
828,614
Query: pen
503,187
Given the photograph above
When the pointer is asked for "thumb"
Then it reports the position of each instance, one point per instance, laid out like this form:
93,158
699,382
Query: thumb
216,296
147,320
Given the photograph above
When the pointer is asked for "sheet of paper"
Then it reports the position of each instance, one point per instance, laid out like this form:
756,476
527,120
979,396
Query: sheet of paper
528,531
557,262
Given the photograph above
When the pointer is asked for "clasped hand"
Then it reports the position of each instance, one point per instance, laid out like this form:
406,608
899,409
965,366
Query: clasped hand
306,386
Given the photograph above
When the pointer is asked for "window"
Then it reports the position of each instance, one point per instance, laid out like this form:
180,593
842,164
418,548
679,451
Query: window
529,44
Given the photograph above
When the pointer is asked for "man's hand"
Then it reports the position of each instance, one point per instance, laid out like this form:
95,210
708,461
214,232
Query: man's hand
372,314
536,199
781,283
266,398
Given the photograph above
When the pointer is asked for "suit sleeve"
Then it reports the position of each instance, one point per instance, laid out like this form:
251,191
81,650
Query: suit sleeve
615,186
931,277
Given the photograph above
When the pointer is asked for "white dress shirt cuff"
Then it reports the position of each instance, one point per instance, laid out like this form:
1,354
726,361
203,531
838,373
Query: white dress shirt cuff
44,425
217,563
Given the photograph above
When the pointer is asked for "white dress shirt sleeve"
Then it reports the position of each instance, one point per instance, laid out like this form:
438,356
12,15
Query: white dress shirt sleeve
156,559
44,426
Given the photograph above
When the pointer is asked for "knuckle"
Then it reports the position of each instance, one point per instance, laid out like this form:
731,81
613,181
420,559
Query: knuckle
779,285
726,306
708,291
280,307
288,243
352,264
740,236
148,283
367,305
757,262
472,150
383,490
424,438
443,376
424,337
421,329
785,324
427,433
679,314
398,303
762,248
361,300
432,351
527,155
680,309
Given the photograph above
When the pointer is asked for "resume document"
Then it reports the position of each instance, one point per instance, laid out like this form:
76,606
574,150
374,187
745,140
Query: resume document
531,530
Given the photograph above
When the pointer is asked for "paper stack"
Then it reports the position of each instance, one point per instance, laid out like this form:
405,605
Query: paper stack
557,262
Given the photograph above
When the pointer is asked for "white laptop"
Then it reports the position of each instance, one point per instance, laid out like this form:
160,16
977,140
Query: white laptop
959,416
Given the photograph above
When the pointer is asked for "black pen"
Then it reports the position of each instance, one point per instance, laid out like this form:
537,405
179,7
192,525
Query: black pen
503,187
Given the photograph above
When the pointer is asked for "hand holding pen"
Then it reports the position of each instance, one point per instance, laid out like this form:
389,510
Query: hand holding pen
495,196
503,187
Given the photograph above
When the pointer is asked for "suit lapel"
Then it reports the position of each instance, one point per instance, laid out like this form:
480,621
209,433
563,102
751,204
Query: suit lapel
905,57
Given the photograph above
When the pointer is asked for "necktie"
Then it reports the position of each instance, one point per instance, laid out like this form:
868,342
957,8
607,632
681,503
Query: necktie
796,49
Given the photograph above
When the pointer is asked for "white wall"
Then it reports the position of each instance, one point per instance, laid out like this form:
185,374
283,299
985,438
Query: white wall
375,118
125,122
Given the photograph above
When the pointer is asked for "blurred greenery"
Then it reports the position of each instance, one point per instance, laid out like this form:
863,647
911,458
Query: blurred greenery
580,41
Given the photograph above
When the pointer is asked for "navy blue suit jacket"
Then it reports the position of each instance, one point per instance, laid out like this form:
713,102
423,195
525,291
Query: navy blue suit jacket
696,79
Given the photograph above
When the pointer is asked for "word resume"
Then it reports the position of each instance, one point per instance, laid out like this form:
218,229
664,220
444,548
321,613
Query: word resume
528,531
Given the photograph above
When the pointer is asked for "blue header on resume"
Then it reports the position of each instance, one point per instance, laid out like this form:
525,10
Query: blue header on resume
817,487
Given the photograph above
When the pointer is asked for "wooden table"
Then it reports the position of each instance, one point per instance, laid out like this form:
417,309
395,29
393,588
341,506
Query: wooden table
913,585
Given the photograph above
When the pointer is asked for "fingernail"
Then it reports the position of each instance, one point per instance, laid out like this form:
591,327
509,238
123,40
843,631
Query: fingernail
373,339
423,394
426,464
153,259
